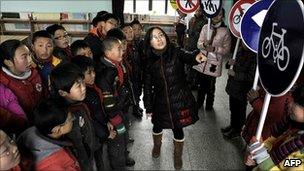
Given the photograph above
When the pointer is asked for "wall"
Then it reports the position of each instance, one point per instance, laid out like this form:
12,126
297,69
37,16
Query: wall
55,6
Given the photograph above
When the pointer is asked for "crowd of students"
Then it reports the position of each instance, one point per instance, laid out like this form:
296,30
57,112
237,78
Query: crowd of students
61,103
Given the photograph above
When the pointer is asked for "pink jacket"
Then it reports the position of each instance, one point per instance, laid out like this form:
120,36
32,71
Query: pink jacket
9,101
221,41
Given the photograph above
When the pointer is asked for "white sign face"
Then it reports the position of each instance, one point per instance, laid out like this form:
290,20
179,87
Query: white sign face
188,6
211,7
236,14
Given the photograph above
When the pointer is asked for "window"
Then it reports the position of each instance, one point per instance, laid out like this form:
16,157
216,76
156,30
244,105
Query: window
142,7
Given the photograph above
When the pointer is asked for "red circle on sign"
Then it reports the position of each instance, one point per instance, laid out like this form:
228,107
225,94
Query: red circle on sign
236,19
191,3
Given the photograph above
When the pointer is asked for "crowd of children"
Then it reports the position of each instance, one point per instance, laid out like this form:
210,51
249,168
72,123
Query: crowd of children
61,102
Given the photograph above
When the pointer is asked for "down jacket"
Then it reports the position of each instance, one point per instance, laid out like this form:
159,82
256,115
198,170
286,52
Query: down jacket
166,93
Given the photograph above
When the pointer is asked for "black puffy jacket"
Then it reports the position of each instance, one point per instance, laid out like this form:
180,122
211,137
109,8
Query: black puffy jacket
166,93
116,96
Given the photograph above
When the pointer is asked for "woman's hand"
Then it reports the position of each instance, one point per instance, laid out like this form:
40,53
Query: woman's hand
200,58
149,115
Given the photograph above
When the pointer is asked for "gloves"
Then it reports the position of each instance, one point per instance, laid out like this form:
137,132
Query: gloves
259,152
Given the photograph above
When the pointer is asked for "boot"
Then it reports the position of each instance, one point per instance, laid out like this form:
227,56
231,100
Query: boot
157,138
178,152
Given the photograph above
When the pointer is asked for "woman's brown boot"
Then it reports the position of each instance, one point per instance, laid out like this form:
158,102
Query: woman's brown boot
157,138
178,152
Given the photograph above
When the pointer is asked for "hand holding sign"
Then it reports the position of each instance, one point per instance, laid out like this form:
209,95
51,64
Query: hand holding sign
280,50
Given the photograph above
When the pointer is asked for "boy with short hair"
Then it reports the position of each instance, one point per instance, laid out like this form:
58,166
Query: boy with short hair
69,89
80,47
61,38
45,141
93,100
44,61
111,81
102,24
134,59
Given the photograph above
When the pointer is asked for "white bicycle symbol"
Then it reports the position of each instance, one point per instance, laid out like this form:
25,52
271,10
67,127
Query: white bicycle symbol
280,51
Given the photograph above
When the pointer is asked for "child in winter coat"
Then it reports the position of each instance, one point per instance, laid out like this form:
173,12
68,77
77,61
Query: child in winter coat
17,75
68,87
240,80
286,142
44,60
93,100
80,47
13,118
102,24
46,141
111,80
61,38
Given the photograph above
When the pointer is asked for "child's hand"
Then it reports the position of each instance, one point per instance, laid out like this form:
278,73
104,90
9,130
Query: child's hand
110,126
231,72
200,58
112,134
149,115
252,95
248,161
231,62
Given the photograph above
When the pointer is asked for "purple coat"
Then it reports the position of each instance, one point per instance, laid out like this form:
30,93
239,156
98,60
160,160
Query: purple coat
9,101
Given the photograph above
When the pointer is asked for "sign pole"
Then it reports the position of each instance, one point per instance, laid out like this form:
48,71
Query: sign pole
235,50
208,31
263,116
256,79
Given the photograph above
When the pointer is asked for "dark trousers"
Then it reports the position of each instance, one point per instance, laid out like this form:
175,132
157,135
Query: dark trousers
191,76
117,152
98,157
238,112
178,133
206,87
117,147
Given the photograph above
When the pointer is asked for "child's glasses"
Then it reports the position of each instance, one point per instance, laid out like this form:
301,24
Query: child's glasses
65,36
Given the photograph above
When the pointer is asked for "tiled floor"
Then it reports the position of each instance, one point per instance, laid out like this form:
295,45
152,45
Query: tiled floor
205,148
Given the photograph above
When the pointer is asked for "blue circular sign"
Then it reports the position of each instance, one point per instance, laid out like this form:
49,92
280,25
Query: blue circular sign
281,44
252,22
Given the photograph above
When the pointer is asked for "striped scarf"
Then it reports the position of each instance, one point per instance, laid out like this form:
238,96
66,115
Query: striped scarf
295,139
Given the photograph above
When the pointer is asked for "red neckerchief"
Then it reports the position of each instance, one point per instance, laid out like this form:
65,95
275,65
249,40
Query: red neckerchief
98,91
96,32
119,71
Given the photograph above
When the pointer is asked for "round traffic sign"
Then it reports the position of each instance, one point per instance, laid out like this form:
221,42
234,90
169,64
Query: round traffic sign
251,23
211,8
281,45
187,6
235,15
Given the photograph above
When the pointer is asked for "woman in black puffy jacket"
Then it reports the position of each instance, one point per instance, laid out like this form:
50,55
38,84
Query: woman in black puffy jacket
167,97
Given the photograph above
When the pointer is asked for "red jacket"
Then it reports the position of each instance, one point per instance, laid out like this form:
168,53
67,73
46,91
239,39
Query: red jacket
28,91
60,160
276,111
